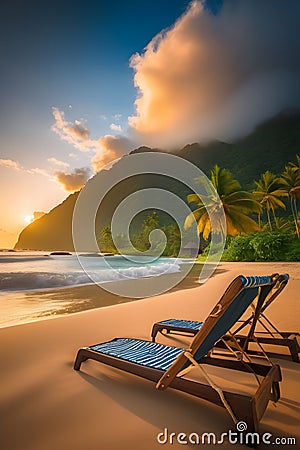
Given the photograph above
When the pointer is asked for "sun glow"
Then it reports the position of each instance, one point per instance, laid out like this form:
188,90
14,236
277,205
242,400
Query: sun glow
29,218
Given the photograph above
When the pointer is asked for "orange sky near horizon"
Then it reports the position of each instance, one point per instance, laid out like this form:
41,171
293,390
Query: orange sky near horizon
25,194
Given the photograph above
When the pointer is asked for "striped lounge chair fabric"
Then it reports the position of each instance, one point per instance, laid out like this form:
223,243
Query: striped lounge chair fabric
141,352
191,327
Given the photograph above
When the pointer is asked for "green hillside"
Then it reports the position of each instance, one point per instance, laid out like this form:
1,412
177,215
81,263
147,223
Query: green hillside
269,147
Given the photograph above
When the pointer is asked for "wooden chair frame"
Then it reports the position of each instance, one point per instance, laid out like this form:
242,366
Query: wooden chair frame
271,335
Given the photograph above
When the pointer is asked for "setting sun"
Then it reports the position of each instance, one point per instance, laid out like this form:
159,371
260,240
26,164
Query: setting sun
28,219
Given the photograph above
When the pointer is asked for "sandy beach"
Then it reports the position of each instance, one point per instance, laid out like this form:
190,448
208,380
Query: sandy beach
46,405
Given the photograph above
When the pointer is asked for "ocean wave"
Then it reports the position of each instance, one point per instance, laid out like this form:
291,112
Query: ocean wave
16,281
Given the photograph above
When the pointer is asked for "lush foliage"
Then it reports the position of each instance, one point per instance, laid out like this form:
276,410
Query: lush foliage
105,241
141,241
273,238
290,181
267,246
269,194
237,205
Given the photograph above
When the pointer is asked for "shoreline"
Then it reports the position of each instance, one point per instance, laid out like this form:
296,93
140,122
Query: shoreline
63,301
58,302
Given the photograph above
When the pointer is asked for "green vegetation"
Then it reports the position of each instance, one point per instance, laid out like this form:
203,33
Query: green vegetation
105,241
268,193
290,181
140,240
277,239
263,246
268,147
237,205
270,238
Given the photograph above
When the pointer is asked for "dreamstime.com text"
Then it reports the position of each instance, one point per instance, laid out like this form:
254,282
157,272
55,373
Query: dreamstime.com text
238,436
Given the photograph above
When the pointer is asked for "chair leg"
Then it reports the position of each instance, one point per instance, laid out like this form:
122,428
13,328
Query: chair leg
80,358
275,391
290,343
155,329
154,332
293,347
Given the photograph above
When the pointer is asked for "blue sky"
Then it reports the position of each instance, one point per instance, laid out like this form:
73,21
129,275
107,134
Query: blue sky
70,53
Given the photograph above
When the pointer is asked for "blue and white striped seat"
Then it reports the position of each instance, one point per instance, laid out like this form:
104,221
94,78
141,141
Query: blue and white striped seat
192,324
248,282
251,283
149,354
256,281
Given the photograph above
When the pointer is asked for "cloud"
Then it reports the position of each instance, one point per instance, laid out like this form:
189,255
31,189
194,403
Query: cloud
10,164
115,127
76,133
57,162
209,76
217,76
15,165
39,171
110,148
75,180
106,148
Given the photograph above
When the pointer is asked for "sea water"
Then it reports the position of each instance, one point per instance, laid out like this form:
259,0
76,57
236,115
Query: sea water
30,281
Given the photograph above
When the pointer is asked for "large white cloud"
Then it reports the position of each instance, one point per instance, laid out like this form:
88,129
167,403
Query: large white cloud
207,77
217,76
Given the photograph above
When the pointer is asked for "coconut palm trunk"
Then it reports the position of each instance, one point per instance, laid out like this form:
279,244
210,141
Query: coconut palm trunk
290,181
268,193
293,202
269,219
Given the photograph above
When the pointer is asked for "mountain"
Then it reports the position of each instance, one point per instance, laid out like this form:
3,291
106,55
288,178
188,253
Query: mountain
53,231
269,147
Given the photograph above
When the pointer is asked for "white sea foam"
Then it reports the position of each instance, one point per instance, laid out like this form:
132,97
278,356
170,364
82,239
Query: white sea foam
16,281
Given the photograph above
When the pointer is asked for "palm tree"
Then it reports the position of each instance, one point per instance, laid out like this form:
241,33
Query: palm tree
295,165
290,181
237,204
268,194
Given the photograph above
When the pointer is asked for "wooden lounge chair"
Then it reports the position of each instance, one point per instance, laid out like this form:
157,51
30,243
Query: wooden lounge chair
271,335
168,366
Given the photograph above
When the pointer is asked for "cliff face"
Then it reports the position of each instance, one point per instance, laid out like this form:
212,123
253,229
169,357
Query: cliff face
53,231
269,147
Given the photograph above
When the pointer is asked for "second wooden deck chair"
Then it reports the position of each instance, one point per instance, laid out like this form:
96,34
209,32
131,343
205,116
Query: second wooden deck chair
271,335
168,366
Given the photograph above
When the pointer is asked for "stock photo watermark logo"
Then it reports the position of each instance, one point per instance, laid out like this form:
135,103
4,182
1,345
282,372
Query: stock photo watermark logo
169,167
238,436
